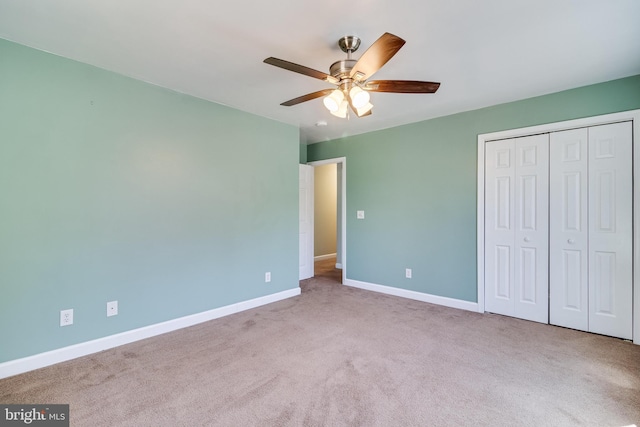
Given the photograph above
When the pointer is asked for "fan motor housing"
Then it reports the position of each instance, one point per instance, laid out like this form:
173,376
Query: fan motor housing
341,69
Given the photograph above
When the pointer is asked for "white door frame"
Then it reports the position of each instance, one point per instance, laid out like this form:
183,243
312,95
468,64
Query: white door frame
306,218
342,182
632,115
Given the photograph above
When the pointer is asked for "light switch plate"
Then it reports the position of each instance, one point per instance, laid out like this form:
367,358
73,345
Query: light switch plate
360,214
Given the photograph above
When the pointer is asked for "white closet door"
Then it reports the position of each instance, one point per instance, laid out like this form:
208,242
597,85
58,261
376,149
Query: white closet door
591,229
516,227
610,230
568,257
531,284
499,226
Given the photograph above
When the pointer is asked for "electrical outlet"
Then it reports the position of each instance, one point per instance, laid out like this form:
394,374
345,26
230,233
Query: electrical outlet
112,308
407,273
267,277
66,317
360,214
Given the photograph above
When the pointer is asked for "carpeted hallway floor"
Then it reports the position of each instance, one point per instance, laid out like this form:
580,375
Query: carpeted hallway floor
337,356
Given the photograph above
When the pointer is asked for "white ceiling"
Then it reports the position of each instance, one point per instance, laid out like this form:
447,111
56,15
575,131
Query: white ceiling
484,52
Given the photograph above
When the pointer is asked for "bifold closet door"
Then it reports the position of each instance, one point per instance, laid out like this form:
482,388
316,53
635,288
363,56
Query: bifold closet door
591,229
569,229
516,227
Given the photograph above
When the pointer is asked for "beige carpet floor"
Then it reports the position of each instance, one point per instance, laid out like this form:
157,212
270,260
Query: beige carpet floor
339,356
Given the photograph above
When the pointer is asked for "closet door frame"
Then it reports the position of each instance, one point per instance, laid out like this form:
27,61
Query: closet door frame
634,117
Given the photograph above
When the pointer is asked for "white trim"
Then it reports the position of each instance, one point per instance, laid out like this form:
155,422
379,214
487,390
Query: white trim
328,161
343,185
306,218
480,225
323,257
566,125
636,225
338,265
632,115
19,366
419,296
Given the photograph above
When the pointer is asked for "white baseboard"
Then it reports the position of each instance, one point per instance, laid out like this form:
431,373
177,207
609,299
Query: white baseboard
339,265
19,366
419,296
323,257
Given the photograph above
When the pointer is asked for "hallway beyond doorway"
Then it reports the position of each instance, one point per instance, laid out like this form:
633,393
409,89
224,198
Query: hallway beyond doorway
327,268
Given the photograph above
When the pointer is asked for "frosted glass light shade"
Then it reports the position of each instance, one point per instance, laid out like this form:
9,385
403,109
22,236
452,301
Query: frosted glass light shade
342,109
359,97
333,100
364,109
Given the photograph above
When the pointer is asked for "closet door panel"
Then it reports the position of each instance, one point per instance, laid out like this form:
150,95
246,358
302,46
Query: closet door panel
610,230
499,227
568,229
531,288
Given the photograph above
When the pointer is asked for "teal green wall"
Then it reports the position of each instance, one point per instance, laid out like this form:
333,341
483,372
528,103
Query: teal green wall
303,153
114,189
417,185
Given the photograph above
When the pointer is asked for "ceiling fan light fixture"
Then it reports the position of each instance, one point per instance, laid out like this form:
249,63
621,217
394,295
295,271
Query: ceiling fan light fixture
334,100
342,109
364,109
359,97
352,77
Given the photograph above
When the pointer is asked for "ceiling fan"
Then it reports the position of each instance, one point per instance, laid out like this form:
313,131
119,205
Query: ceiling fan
351,76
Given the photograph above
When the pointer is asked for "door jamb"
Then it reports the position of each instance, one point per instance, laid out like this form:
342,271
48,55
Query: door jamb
343,211
634,117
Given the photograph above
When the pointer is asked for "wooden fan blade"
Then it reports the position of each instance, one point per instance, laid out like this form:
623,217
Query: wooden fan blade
307,97
380,52
401,86
296,68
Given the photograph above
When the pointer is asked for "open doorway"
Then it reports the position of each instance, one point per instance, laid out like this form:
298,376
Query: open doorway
325,227
330,218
